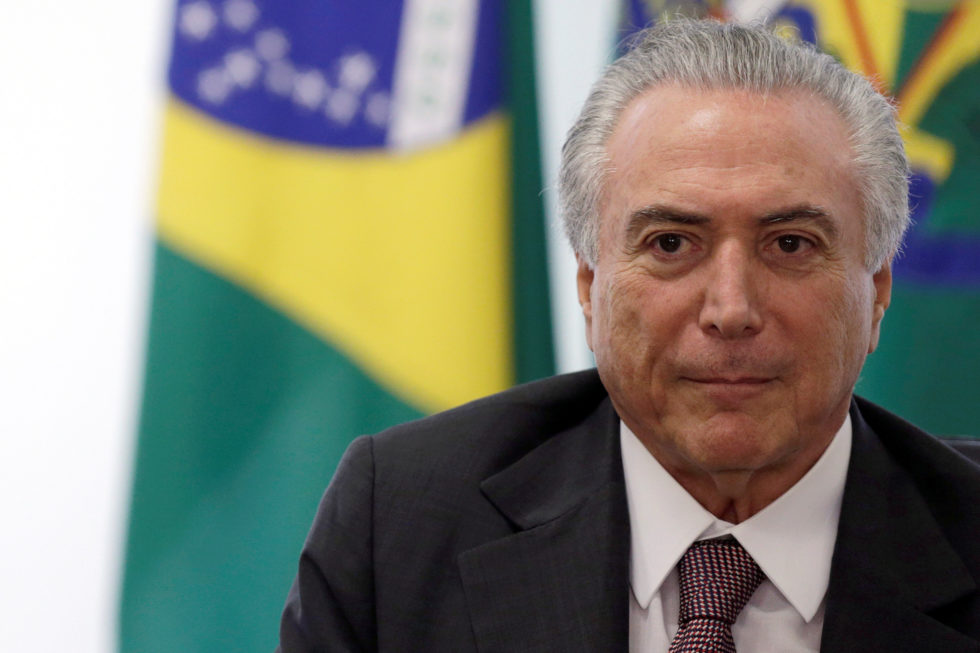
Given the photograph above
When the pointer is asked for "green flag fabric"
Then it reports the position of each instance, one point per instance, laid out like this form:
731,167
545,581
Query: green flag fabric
925,55
349,235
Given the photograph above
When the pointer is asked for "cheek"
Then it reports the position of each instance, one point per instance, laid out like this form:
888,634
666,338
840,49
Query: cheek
840,321
860,319
859,309
645,314
619,322
611,312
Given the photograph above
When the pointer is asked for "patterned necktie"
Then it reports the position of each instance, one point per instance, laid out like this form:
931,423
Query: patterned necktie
717,579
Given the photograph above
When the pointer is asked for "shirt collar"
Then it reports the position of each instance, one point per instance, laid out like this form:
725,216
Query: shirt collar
791,539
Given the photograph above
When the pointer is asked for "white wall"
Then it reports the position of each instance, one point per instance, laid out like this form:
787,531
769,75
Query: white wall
80,94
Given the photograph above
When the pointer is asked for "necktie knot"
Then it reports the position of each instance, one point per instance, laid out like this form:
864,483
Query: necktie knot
717,578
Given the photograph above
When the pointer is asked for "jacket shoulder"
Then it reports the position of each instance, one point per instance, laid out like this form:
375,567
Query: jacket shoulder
947,480
936,462
492,432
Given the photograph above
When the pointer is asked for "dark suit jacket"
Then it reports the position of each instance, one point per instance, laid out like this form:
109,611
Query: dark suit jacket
502,526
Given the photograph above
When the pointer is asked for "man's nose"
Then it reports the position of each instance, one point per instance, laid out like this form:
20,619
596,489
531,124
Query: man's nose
731,295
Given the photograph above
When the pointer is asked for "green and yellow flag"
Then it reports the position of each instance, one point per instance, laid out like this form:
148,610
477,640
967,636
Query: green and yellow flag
349,236
926,55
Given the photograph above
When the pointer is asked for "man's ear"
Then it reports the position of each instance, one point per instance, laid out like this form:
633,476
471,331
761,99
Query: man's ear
883,297
584,278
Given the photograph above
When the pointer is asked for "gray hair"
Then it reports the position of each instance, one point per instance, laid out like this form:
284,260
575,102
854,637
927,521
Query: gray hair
709,55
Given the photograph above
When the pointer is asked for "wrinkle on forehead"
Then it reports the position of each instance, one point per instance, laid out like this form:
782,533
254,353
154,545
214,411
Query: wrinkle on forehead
713,116
672,128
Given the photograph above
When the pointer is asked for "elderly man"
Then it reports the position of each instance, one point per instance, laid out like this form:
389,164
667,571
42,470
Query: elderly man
734,202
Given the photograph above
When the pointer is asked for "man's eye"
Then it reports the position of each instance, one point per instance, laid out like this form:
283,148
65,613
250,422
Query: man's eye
669,243
791,244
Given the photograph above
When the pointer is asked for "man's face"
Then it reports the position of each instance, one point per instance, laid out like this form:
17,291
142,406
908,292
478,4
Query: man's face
730,310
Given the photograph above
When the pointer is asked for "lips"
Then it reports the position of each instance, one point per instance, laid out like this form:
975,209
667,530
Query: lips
738,380
731,391
734,371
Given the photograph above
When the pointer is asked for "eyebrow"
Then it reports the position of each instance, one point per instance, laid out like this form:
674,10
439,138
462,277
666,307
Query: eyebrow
803,213
642,218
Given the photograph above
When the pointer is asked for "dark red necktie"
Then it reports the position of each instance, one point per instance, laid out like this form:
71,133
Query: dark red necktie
717,578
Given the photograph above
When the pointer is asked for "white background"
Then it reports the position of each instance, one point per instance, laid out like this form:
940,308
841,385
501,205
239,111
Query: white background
81,93
80,100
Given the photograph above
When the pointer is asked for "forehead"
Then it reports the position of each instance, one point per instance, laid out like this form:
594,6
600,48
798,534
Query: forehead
729,152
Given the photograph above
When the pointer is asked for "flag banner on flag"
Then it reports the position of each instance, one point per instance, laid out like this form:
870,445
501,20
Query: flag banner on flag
926,56
349,235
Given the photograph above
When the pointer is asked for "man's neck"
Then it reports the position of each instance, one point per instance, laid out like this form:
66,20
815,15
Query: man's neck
736,495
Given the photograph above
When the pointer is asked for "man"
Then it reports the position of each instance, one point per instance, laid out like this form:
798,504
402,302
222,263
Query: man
734,202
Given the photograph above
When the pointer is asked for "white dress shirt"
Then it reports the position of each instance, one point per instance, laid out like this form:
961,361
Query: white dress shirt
791,539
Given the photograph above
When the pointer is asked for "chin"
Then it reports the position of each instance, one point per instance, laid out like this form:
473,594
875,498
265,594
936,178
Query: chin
736,446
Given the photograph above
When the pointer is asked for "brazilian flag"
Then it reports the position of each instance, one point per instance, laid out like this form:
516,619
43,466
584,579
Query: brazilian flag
925,54
349,235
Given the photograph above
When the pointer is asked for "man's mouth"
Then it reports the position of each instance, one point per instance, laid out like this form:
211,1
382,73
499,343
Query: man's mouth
731,380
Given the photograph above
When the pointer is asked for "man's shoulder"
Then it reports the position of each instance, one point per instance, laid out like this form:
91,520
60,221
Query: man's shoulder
906,557
495,430
531,405
945,481
923,454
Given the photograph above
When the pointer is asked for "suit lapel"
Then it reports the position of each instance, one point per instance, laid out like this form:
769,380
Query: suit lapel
893,566
560,582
